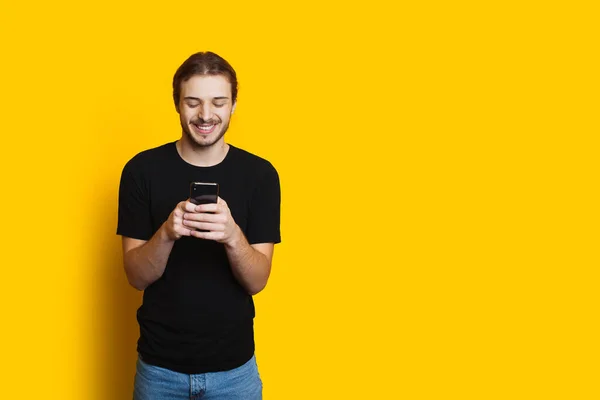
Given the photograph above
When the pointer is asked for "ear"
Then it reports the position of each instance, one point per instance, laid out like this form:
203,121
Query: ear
233,108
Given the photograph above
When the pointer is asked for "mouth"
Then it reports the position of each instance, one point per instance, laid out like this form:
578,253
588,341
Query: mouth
204,129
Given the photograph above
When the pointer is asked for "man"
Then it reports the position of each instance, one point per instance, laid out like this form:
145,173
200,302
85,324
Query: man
199,265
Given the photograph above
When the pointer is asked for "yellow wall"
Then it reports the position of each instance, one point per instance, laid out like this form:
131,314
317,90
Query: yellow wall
439,168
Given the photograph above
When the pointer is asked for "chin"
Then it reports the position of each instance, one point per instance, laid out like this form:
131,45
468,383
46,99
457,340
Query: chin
204,141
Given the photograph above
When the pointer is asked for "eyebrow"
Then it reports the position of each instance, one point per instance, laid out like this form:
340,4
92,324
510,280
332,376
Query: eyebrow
197,99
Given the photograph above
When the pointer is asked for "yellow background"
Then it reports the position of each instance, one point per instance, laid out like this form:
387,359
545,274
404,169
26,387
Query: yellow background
439,169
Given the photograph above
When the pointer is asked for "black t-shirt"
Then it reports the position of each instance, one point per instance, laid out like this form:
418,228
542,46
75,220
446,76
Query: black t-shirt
197,318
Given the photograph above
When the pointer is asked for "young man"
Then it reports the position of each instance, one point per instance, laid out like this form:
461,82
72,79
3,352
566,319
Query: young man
199,265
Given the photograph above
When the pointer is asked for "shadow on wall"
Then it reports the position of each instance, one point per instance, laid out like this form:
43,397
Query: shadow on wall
117,302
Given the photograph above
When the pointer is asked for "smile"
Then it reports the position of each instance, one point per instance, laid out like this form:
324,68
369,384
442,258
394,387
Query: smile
205,128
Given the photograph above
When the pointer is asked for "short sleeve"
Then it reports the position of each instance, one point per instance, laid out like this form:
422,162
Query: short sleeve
134,205
264,216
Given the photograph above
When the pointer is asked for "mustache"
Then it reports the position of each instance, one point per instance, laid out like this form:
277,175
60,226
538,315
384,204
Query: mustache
200,121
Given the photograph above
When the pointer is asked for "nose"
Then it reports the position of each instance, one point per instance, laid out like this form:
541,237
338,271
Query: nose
205,112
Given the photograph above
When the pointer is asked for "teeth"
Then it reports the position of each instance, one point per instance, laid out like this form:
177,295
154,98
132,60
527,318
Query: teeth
205,127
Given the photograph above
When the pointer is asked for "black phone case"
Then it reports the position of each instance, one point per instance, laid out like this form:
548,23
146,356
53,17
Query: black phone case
204,193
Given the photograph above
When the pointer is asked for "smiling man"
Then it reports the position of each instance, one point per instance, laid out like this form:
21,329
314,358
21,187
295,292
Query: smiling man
198,265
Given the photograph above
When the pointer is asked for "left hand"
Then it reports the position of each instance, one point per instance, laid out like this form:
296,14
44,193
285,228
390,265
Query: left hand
213,218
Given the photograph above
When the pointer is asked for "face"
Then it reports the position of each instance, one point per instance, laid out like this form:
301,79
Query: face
205,108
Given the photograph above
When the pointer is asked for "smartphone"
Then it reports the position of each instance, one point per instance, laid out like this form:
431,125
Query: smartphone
204,192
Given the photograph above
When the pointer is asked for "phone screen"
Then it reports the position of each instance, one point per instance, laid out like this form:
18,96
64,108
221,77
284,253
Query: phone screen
204,192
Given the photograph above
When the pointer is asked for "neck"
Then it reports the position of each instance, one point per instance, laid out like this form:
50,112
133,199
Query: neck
202,156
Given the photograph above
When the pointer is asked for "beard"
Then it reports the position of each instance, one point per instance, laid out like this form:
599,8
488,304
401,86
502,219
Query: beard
194,141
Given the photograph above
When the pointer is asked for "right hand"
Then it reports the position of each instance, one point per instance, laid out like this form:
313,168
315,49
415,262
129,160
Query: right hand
173,226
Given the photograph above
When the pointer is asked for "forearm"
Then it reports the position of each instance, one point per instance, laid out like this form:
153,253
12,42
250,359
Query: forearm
146,264
249,266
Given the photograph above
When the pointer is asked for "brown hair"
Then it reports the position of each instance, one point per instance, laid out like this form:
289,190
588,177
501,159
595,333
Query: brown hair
204,63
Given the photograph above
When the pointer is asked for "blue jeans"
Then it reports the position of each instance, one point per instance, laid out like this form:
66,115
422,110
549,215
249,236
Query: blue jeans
156,383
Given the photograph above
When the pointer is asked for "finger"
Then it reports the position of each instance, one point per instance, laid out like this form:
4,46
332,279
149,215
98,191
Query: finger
189,206
208,235
183,231
178,217
205,208
178,211
222,206
205,226
203,217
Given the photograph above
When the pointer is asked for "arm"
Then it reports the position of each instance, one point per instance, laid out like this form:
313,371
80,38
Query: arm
145,261
250,264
